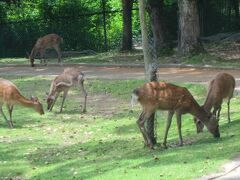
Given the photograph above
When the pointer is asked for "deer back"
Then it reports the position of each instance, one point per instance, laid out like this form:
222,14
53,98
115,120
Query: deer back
164,96
222,86
48,41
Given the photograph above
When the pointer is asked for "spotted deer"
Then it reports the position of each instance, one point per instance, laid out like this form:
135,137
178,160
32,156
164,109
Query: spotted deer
62,83
220,88
10,95
165,96
49,41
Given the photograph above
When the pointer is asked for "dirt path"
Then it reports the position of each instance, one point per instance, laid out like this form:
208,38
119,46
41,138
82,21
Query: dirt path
195,75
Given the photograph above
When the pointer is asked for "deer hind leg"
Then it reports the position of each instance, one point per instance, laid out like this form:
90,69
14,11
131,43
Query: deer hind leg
169,121
10,109
63,100
81,81
4,116
141,124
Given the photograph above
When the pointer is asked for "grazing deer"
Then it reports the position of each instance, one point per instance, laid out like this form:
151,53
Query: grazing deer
62,83
10,95
49,41
164,96
221,87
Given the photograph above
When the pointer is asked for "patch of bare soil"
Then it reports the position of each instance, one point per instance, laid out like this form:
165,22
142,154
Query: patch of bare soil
103,105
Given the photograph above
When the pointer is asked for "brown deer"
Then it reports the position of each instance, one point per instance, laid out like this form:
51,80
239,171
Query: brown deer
221,87
62,83
164,96
49,41
10,95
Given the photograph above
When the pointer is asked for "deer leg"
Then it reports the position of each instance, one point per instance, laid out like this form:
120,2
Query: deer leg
43,57
218,112
59,54
179,126
84,94
8,122
50,109
169,121
10,109
63,100
228,104
141,125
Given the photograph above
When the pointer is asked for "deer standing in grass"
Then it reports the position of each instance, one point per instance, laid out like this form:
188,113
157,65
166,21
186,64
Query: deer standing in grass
62,83
10,95
164,96
49,41
221,87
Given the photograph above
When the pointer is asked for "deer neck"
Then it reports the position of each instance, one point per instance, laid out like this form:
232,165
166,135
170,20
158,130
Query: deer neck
199,112
52,91
208,104
33,52
24,101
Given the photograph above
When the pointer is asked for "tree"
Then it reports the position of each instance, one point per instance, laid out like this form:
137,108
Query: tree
189,29
158,29
149,61
127,24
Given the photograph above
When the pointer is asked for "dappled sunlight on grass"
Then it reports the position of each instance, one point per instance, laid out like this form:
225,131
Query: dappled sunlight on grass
14,61
98,145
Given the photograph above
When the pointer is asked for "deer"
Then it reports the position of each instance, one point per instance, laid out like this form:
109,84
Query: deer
49,41
220,88
10,95
154,96
62,83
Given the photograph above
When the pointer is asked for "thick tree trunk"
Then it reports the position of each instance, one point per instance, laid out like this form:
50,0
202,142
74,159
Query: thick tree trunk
127,24
155,11
150,65
189,30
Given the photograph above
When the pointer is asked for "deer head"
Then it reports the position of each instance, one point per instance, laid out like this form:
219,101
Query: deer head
37,105
212,125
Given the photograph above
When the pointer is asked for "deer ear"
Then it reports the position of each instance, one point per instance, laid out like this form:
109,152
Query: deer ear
35,99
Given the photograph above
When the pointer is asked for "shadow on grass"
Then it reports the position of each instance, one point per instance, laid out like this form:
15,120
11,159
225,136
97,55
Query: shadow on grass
96,158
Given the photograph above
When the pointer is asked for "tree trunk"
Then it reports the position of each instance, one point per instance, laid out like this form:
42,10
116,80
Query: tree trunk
127,24
150,65
235,4
189,30
155,11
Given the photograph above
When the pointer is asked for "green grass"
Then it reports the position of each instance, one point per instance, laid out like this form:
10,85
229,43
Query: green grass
203,59
112,57
72,145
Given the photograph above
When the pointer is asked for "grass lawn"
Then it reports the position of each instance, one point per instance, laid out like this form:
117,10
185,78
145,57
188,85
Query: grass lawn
107,145
135,57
